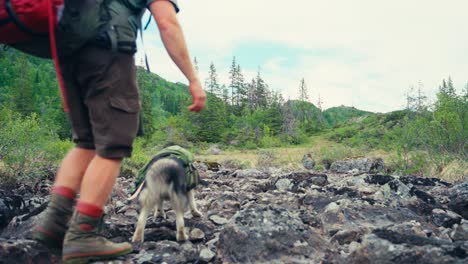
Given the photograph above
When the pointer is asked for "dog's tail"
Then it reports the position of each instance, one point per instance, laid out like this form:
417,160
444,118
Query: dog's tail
137,192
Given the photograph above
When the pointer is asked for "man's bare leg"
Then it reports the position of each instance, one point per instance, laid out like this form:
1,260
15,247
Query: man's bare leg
73,168
98,181
83,241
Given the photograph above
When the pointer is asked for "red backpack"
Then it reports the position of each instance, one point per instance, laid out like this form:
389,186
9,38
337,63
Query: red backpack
22,21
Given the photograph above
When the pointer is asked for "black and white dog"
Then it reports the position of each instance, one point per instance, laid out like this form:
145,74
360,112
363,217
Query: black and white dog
165,180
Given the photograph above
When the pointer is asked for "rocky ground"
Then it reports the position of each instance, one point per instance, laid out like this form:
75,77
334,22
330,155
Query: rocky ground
345,215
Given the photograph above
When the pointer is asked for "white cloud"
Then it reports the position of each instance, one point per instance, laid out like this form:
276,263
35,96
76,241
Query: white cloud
396,43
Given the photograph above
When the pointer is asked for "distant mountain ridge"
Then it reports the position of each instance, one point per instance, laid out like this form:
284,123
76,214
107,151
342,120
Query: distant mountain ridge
340,115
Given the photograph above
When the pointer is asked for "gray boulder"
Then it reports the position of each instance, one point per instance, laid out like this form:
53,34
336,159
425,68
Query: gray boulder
459,199
167,252
251,173
24,251
308,162
460,232
299,180
359,165
388,247
269,235
445,218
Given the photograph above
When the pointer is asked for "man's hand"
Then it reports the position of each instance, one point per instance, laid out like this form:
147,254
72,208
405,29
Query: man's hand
198,96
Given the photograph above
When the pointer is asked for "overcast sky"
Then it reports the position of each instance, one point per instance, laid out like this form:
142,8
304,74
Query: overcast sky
362,53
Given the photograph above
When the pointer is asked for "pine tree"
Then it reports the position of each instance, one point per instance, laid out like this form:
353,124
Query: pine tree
450,88
304,108
23,94
233,76
303,92
241,88
212,82
320,112
274,114
421,99
261,92
210,124
251,95
289,123
225,93
410,101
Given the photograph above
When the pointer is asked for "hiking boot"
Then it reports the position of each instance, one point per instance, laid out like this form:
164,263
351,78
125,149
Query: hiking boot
83,243
54,223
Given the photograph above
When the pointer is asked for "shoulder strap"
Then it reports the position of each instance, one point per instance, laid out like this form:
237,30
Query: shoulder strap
143,43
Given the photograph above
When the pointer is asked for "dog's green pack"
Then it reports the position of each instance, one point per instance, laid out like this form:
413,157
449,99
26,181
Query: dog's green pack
193,177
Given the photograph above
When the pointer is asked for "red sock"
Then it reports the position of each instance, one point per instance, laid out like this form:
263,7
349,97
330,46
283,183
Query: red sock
64,192
89,209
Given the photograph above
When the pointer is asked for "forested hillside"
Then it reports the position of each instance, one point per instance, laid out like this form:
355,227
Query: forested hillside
336,116
242,114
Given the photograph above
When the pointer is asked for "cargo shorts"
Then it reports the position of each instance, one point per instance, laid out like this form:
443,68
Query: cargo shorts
103,98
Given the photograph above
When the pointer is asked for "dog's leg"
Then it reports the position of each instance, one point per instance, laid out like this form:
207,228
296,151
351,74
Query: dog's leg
193,205
140,228
159,209
179,210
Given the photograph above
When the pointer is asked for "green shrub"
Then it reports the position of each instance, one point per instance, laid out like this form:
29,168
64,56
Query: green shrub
139,158
319,167
250,145
29,150
270,142
343,133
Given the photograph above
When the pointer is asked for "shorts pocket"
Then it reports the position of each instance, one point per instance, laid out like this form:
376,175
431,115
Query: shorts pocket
129,105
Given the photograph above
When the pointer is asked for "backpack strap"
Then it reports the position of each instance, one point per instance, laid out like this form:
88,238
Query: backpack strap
53,48
4,21
14,18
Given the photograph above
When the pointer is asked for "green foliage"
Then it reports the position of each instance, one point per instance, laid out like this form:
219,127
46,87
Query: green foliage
444,130
139,158
340,115
35,133
307,115
28,148
422,134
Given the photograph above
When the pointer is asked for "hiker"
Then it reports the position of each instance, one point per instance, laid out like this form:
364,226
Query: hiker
102,93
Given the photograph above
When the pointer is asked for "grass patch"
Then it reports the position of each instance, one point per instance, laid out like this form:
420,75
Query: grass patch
455,171
290,157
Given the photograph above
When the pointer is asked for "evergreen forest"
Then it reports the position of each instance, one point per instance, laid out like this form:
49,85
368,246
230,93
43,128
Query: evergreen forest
245,115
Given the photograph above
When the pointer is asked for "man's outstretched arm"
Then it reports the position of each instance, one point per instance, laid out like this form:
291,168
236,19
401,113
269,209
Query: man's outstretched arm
173,38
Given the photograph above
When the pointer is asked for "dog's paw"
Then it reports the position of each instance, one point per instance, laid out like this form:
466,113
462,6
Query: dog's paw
138,238
181,235
161,214
196,213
